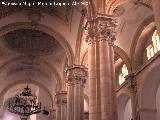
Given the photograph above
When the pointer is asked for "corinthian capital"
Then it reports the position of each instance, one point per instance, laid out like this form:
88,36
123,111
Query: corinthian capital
106,29
61,98
76,74
92,32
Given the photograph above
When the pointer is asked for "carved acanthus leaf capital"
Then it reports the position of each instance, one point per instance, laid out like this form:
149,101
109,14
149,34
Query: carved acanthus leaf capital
76,74
61,98
92,31
107,29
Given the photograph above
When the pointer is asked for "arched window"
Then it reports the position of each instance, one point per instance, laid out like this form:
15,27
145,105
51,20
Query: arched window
150,51
124,72
154,47
156,42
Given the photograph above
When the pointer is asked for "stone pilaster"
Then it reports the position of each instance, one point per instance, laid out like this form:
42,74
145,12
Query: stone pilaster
106,36
76,77
133,91
156,9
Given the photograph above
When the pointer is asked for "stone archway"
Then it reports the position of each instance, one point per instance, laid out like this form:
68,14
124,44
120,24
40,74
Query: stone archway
27,25
124,107
37,89
149,95
138,40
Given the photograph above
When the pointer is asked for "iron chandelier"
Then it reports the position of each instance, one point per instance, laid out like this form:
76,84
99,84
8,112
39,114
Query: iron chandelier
24,104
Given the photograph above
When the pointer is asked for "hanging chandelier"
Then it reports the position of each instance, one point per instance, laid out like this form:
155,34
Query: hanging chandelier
24,104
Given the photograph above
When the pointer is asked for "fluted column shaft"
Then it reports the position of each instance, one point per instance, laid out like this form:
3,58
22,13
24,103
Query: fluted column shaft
76,77
102,103
77,111
105,79
78,100
70,102
156,9
106,31
92,70
63,95
82,101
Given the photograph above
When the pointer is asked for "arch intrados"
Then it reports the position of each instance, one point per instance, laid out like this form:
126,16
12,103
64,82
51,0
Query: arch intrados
123,95
18,82
137,34
84,55
123,55
91,8
27,25
113,4
149,88
54,71
122,100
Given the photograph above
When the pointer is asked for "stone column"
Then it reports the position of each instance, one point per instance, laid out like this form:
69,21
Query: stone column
62,96
76,77
58,106
1,107
106,31
70,102
111,54
156,9
92,70
61,105
133,90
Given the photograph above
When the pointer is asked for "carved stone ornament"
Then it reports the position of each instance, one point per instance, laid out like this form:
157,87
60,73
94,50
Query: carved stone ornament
76,74
51,7
30,42
132,83
92,34
106,29
61,98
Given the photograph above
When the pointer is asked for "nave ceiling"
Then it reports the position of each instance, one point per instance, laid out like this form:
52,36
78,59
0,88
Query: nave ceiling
31,56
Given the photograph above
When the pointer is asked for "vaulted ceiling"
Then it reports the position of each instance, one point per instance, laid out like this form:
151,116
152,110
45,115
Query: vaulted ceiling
62,12
53,34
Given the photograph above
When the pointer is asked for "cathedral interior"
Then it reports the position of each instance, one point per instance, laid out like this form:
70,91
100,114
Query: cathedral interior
83,60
